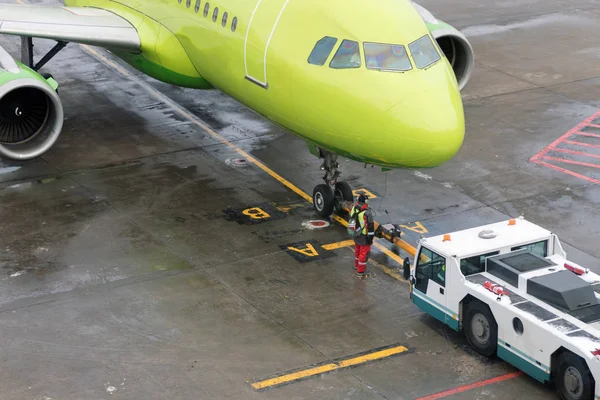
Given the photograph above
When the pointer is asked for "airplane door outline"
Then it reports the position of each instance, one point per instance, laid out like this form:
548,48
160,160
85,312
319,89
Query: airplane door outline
251,76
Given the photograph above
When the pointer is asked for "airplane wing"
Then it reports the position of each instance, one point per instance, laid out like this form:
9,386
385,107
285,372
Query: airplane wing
84,25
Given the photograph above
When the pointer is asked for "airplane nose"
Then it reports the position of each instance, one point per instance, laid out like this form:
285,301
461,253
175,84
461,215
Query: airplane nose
431,126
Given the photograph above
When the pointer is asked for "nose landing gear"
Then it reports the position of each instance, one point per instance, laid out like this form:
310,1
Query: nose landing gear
327,195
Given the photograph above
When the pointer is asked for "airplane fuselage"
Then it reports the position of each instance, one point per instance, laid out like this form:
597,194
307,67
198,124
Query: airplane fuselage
258,53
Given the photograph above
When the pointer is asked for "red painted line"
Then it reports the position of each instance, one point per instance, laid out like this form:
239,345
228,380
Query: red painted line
567,171
579,153
475,385
594,125
588,134
571,162
582,144
573,131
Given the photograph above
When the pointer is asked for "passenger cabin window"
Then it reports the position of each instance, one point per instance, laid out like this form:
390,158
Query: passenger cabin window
390,57
424,52
224,20
475,264
537,248
197,7
347,56
321,51
233,24
187,3
215,14
430,266
206,8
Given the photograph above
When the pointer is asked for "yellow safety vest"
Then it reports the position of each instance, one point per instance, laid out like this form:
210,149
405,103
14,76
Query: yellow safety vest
361,219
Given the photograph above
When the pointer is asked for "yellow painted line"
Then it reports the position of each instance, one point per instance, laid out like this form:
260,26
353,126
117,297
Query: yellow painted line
196,121
388,271
295,376
340,219
290,207
338,245
406,247
389,253
377,354
372,356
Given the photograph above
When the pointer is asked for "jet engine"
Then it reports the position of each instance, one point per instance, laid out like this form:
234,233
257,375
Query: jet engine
458,51
31,113
453,44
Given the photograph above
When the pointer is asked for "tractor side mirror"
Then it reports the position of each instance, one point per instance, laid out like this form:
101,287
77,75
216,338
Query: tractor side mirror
406,267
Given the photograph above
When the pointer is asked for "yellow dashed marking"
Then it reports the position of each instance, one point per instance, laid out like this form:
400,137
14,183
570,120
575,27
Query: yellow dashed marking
338,245
283,379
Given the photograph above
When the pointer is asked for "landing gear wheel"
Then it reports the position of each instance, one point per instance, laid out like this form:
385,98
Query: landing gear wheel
480,328
343,191
323,200
573,378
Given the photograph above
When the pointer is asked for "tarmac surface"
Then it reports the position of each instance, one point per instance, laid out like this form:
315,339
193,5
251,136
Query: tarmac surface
129,269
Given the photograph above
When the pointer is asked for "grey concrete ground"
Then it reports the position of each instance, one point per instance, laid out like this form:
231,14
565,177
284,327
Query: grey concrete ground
126,275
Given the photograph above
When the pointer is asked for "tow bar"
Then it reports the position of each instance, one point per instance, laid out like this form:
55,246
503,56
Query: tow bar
390,232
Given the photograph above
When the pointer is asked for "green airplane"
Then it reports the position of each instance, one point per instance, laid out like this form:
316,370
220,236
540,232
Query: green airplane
376,82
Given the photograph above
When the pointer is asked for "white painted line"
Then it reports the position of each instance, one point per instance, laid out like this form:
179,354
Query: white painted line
247,33
271,36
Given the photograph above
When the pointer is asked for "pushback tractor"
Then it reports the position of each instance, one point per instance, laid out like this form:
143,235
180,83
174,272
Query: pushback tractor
510,289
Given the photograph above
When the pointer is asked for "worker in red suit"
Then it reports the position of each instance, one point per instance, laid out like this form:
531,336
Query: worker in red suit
362,228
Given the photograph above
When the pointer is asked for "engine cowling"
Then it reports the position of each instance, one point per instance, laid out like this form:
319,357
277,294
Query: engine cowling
458,51
31,113
453,44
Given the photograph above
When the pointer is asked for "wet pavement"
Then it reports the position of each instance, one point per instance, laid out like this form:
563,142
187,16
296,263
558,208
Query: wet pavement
129,269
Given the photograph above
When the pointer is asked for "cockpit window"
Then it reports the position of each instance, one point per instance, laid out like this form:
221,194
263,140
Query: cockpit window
423,52
321,51
347,56
389,57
